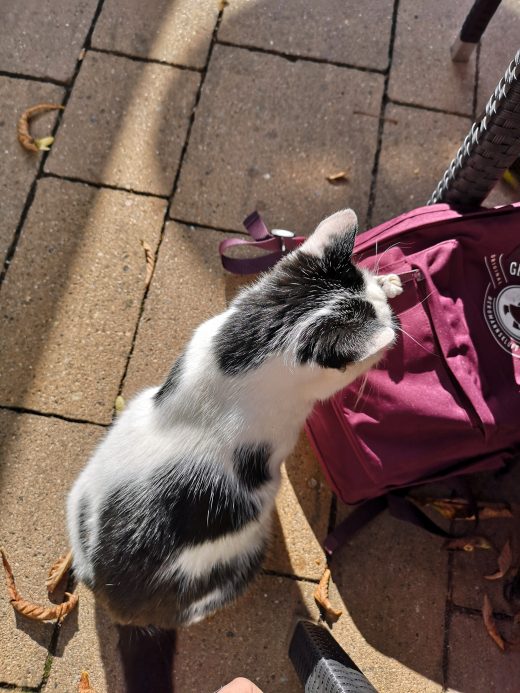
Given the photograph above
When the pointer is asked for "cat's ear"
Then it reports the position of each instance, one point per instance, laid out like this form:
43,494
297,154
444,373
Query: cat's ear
337,231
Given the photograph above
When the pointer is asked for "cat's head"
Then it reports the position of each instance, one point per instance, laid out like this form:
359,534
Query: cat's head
315,307
341,311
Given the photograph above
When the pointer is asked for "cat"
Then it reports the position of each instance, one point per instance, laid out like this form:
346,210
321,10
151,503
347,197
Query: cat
169,521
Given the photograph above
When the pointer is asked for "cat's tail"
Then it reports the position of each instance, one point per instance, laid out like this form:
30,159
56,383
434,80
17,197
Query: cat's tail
147,657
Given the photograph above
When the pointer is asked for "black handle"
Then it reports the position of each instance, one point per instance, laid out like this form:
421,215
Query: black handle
322,665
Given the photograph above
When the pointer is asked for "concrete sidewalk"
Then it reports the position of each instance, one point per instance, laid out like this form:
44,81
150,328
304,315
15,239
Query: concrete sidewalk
181,118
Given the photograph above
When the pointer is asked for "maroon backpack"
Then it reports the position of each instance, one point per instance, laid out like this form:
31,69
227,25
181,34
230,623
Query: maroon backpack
445,401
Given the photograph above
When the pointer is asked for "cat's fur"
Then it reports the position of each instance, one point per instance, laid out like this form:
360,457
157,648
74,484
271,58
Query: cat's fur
169,520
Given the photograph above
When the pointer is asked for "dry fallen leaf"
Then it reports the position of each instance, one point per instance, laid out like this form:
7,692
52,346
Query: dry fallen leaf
339,178
460,509
321,595
24,136
31,610
504,563
119,404
58,571
467,544
150,262
489,622
84,683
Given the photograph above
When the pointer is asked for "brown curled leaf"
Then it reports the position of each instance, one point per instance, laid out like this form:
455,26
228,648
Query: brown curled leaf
459,509
43,613
339,178
84,683
24,136
150,262
58,571
489,623
31,610
321,595
504,563
467,543
9,577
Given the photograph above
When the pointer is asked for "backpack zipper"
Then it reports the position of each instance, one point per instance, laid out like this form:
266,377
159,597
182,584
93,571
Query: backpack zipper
463,398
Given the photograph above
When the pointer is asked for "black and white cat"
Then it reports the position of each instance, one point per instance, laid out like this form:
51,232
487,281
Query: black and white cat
170,519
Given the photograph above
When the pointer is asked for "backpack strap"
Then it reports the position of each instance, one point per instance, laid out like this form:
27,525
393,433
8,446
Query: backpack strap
400,507
278,241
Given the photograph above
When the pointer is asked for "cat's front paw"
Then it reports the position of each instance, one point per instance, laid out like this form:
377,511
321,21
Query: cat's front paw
391,284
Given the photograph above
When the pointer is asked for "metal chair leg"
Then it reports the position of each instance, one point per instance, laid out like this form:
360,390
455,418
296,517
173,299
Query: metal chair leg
474,26
490,147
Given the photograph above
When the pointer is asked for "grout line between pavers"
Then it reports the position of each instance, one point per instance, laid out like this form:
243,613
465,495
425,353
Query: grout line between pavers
51,650
220,229
172,195
333,513
51,415
16,687
32,78
295,58
39,173
140,59
476,84
380,129
470,611
430,109
448,613
289,576
101,186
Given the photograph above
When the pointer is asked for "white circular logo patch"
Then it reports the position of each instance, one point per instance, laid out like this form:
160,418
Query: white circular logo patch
502,301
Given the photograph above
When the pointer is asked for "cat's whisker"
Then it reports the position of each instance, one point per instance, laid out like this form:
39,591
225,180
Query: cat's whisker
400,329
361,390
378,263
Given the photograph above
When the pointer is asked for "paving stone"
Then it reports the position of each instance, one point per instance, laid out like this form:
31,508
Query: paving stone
393,579
475,662
302,516
333,30
40,458
88,644
178,32
498,47
19,167
266,134
422,70
502,194
45,39
190,286
72,297
469,585
415,153
248,639
125,124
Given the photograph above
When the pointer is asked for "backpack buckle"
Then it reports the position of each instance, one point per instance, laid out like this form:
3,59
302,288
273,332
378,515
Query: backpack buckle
281,234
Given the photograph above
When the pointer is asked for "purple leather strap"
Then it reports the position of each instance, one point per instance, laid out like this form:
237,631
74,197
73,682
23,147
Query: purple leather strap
275,243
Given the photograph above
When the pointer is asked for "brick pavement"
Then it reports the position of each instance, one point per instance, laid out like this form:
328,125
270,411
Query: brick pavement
179,119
